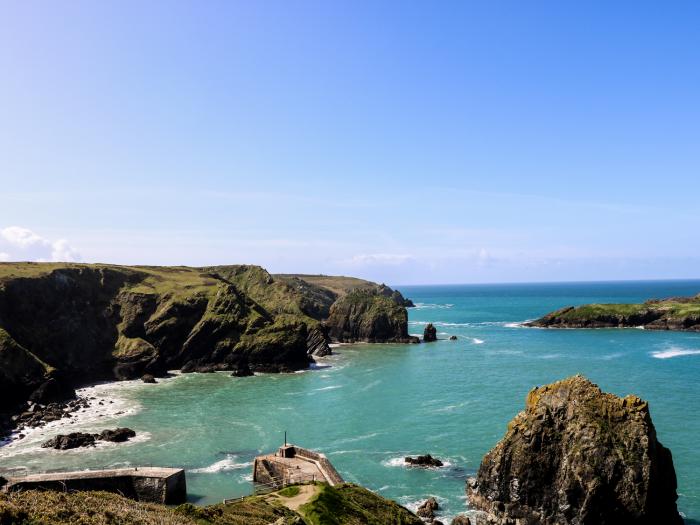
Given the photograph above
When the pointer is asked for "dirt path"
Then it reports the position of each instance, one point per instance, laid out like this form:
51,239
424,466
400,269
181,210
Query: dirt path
306,492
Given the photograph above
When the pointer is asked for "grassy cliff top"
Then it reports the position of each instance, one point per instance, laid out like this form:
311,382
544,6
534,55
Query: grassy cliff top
338,284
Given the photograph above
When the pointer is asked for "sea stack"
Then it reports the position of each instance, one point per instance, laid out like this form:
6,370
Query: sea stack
577,456
430,333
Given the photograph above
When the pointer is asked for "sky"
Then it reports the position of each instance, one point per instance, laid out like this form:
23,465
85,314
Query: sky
404,142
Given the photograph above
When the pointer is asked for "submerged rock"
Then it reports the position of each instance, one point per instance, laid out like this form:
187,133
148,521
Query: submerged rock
148,378
423,461
579,456
430,333
453,338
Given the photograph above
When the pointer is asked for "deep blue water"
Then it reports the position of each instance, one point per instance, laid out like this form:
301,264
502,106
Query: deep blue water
369,405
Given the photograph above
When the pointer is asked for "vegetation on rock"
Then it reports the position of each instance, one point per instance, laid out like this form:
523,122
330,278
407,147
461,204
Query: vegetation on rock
678,313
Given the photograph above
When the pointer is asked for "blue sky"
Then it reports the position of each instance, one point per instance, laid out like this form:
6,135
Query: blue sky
407,142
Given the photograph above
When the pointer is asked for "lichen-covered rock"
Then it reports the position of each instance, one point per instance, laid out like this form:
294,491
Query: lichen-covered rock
429,333
579,456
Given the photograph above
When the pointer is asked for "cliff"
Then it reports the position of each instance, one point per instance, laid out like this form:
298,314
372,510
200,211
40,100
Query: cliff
579,456
678,313
64,325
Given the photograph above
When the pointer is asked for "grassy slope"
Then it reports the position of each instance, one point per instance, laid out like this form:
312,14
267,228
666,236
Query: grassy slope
343,505
337,284
353,505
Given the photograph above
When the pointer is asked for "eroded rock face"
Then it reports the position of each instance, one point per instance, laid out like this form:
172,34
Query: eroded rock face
428,508
579,456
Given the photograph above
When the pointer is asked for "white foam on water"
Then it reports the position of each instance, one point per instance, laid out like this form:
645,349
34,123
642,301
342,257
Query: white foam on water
477,341
371,385
674,351
549,356
224,465
432,306
322,389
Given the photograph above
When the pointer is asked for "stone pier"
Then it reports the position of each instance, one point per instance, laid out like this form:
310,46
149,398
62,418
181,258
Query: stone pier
292,464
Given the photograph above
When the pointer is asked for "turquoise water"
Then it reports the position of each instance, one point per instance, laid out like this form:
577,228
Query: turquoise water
369,405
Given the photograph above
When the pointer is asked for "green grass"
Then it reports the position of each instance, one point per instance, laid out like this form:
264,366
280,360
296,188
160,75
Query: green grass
290,492
353,505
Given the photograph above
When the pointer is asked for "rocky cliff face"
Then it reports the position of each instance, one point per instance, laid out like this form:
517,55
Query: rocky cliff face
577,456
73,324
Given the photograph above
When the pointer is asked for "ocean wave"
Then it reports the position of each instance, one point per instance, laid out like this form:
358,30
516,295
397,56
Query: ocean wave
477,341
358,438
674,351
224,465
432,306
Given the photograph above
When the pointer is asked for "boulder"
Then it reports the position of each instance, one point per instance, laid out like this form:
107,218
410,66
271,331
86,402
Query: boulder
453,338
148,378
241,370
430,333
427,509
118,435
423,461
579,456
460,519
68,441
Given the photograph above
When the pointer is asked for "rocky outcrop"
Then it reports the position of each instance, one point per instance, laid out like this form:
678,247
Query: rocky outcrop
82,439
677,313
460,519
423,461
370,316
579,456
427,509
429,333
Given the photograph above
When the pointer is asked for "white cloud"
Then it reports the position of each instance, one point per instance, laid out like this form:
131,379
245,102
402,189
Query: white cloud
22,244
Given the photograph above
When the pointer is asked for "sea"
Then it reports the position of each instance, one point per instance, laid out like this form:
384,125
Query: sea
369,405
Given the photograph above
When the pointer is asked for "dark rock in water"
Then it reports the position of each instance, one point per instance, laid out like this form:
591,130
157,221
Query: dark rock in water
428,508
578,456
242,370
118,435
460,519
68,441
423,461
408,303
52,391
453,338
3,482
430,333
148,378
